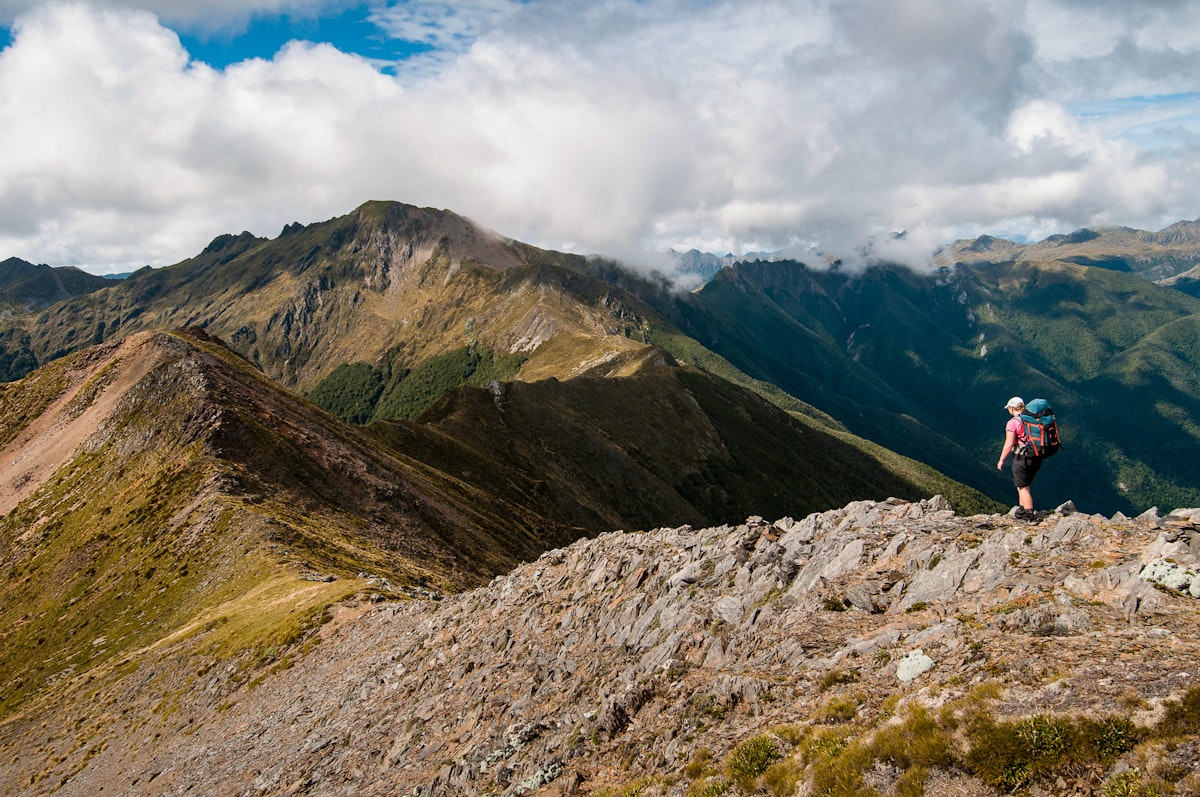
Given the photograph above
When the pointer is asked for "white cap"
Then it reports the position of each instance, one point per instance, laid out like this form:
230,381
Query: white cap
1015,401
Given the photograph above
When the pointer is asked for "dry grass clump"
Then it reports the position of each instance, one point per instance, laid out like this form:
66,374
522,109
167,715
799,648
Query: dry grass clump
842,753
1009,755
751,759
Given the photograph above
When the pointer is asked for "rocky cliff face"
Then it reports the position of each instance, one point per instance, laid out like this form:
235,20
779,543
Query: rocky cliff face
874,649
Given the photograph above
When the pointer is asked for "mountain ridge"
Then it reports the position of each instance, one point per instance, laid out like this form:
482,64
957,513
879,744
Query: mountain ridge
343,290
1156,256
28,288
881,646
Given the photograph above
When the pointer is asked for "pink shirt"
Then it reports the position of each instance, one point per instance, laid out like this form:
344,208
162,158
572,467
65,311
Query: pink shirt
1016,426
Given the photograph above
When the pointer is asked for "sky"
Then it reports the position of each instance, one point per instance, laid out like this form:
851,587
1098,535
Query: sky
133,132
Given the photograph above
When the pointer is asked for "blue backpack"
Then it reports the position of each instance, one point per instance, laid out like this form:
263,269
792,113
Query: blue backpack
1041,429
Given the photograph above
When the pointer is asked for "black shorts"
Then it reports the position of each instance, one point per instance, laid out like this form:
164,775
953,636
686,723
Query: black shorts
1024,469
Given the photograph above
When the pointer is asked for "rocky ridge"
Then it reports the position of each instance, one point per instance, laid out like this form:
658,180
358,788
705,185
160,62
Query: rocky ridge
636,663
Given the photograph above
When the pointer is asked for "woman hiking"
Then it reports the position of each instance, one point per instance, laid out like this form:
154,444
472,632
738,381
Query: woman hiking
1024,467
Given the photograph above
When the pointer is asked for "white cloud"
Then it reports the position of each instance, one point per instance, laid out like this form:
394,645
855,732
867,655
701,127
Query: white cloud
443,25
605,127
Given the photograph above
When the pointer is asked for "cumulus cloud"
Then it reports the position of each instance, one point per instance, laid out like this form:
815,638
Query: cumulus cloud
615,127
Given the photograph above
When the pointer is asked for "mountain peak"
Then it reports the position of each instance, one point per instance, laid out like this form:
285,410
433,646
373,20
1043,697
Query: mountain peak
26,288
229,241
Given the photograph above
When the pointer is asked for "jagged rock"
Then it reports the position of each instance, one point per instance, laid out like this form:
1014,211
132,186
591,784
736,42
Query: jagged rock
862,597
616,658
941,578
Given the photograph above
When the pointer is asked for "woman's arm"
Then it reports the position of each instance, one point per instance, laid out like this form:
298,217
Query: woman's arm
1010,440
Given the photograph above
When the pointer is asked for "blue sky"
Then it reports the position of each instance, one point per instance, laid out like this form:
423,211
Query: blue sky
350,30
135,131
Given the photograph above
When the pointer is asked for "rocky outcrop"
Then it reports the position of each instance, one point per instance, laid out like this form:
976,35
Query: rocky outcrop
617,659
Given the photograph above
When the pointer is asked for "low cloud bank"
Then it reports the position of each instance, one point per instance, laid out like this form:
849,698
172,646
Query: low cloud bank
620,129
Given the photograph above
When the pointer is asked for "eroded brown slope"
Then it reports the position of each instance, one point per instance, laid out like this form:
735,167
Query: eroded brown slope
159,485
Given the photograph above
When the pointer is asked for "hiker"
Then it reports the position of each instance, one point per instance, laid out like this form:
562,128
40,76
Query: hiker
1024,467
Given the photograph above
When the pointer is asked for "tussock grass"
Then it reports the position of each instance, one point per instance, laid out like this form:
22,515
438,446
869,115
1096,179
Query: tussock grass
905,745
750,759
636,789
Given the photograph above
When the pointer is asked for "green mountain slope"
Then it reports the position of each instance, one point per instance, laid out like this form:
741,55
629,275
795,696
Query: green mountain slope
922,365
24,290
794,327
633,452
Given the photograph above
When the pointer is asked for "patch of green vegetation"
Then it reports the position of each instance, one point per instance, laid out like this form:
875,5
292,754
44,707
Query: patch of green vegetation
1134,783
710,706
839,758
783,777
1012,754
835,677
709,786
751,759
965,735
839,709
1008,755
409,393
1182,716
700,765
350,392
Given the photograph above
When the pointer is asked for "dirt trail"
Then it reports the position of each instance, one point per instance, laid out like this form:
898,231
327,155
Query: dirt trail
52,438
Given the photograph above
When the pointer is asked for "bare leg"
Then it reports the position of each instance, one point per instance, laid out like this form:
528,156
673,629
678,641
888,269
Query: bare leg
1025,498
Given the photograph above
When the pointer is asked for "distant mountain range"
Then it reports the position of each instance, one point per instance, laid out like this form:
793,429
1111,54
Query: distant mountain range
26,288
1169,256
705,265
